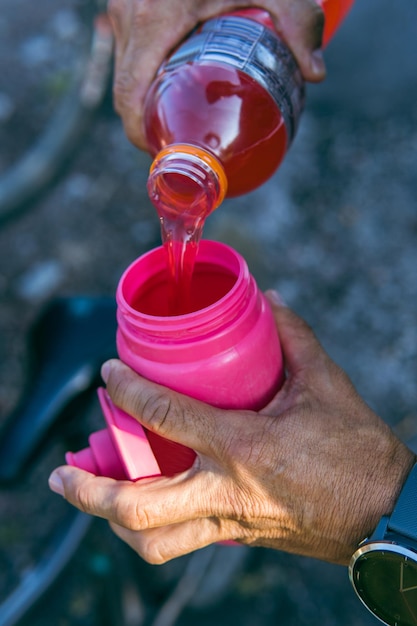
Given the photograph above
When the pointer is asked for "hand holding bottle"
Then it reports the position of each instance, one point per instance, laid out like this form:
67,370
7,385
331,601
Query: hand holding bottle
312,474
146,31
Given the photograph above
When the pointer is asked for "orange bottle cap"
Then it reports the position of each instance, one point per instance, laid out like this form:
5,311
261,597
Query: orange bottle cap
198,153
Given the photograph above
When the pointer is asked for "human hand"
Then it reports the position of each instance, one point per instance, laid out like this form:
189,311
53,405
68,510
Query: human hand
147,30
312,473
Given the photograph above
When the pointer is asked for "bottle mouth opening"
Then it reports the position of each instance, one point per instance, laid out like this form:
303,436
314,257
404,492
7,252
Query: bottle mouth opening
185,177
179,189
209,285
220,273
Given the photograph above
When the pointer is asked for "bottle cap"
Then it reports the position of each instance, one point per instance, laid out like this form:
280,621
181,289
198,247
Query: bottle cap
120,451
197,154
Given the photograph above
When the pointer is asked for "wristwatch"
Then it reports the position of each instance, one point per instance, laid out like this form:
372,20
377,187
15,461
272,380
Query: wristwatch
383,570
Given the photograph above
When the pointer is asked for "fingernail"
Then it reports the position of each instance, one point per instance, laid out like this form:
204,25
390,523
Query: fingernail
55,484
276,297
317,62
105,371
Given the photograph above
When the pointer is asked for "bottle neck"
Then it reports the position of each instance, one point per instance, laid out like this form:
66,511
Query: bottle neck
222,287
186,180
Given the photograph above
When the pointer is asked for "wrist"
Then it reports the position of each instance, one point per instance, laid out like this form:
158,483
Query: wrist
370,494
383,489
383,569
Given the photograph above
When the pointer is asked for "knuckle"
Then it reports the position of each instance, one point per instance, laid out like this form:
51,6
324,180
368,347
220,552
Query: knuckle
83,496
151,552
116,9
142,520
302,329
125,516
156,410
122,89
125,105
144,14
246,506
128,515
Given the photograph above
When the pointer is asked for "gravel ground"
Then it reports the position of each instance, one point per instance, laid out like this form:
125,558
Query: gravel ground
334,231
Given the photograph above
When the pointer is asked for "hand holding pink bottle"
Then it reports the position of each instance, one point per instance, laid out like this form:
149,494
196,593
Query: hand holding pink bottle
225,351
311,473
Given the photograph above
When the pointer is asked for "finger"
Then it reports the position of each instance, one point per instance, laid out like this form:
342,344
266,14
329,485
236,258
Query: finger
300,23
147,33
145,504
299,344
91,494
162,544
170,414
143,45
135,70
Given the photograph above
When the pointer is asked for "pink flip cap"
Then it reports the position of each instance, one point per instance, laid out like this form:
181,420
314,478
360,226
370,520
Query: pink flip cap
122,451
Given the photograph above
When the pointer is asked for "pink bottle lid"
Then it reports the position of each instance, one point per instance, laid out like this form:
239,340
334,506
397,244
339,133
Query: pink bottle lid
122,451
84,459
129,439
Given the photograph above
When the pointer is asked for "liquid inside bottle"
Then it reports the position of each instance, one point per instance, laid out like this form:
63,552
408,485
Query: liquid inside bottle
227,113
237,120
234,89
233,92
215,109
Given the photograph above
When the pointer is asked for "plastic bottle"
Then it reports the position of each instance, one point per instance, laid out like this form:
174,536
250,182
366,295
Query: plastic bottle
224,109
225,352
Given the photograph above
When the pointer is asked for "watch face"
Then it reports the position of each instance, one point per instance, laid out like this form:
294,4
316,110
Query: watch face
384,576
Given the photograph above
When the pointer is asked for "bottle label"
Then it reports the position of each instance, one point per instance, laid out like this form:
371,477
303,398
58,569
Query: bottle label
255,50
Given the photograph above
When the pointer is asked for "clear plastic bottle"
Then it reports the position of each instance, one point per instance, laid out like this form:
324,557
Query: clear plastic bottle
224,109
225,351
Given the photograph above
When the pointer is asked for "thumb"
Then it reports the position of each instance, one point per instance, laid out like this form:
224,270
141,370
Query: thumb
168,413
299,344
300,23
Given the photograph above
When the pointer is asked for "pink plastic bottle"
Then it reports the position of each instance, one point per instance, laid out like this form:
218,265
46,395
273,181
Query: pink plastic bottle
225,352
224,108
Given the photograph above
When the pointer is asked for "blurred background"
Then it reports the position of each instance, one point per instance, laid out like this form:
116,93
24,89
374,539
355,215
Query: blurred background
334,231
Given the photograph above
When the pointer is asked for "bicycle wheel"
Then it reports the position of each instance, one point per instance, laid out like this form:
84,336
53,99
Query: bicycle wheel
65,58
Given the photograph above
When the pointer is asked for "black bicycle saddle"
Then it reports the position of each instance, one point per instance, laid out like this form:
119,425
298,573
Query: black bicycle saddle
68,343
